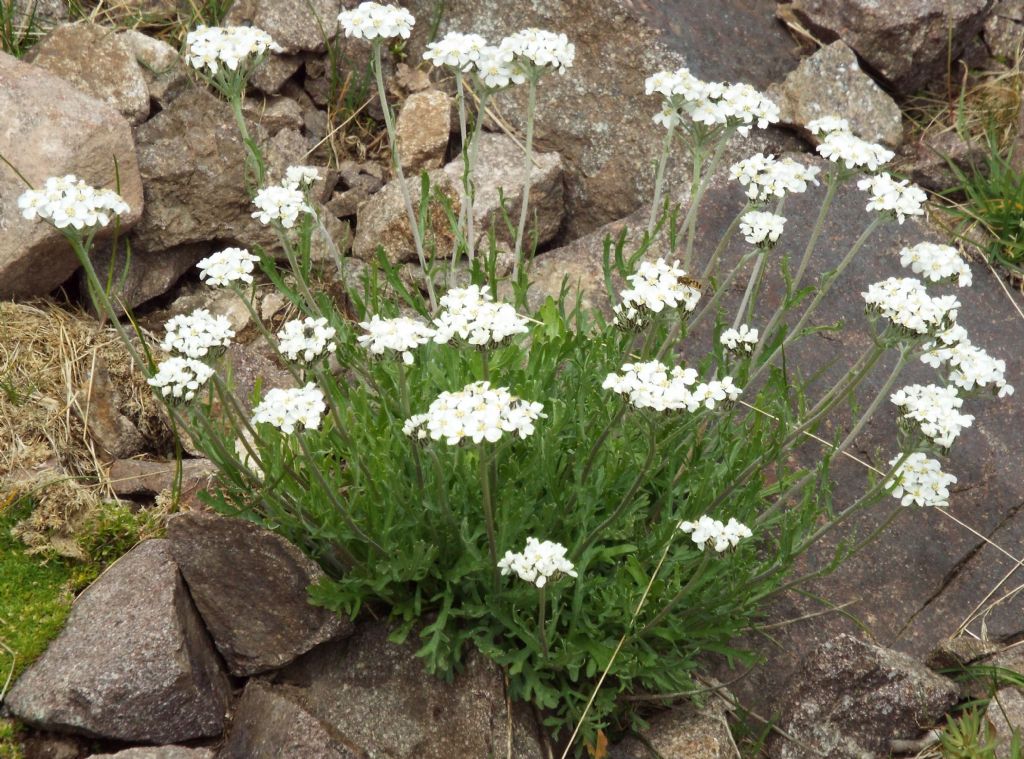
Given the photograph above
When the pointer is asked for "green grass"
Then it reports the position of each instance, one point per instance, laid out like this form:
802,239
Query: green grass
17,34
10,746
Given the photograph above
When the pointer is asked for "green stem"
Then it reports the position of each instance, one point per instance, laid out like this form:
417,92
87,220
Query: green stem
755,277
464,190
694,578
403,390
659,178
697,194
541,622
485,486
531,107
720,248
471,154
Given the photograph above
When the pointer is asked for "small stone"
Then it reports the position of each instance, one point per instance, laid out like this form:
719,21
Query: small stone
97,61
296,25
959,652
317,83
135,477
1005,714
832,83
250,587
141,275
1004,30
423,126
412,79
159,752
98,404
271,75
133,662
273,113
162,67
217,300
684,733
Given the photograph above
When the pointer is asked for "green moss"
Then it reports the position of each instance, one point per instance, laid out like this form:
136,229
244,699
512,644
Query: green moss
10,746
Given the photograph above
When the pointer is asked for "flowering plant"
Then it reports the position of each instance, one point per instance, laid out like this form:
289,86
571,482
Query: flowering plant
430,436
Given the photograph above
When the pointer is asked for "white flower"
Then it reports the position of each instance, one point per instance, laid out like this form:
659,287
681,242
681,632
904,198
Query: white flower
373,21
920,481
970,365
477,412
286,408
232,47
229,265
762,228
281,204
721,536
652,385
901,199
655,287
69,202
180,377
827,124
300,177
742,339
853,152
675,86
935,409
306,339
541,49
906,303
497,68
936,263
767,177
538,562
196,334
471,315
401,335
457,50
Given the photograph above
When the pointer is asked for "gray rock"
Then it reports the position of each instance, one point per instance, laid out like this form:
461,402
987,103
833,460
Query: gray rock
159,752
271,75
906,41
193,295
142,275
250,588
273,113
423,126
351,685
682,733
133,662
37,14
929,161
133,477
832,83
295,25
97,61
1004,30
50,128
499,173
162,67
850,699
1005,713
272,723
99,403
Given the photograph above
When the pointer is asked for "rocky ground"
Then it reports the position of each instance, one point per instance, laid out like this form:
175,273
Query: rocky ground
201,644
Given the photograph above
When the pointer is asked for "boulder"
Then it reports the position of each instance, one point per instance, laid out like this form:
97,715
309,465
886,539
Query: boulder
163,69
1005,713
379,696
98,62
849,699
98,402
250,588
27,14
295,25
135,477
1004,30
133,662
159,752
50,128
499,174
832,83
272,74
907,42
140,275
684,732
423,126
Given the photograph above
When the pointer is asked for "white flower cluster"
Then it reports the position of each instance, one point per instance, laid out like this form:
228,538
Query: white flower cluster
762,228
227,266
401,334
497,68
540,49
970,365
766,177
180,378
455,49
827,124
742,339
281,204
900,198
300,177
709,103
937,263
373,21
211,47
721,536
471,314
306,339
538,562
935,409
853,152
906,303
920,481
286,408
655,287
69,202
478,412
197,334
653,385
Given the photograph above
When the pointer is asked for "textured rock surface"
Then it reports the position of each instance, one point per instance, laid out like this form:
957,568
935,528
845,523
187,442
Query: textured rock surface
162,67
159,752
831,83
683,733
295,25
99,404
250,588
850,698
927,162
348,686
1004,30
423,126
133,662
906,41
499,174
143,275
1006,715
97,61
49,128
146,477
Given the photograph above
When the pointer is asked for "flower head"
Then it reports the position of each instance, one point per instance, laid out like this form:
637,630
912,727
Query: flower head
762,228
471,314
920,481
743,339
197,334
457,50
652,385
540,49
373,21
401,335
287,408
477,412
936,263
497,68
906,303
306,339
766,177
901,199
69,202
229,265
281,204
300,177
853,152
180,378
538,562
935,409
828,124
211,48
721,536
653,288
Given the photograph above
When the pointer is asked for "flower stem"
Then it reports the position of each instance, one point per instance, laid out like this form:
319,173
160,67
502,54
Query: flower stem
531,107
488,498
659,177
542,623
403,391
464,190
694,578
